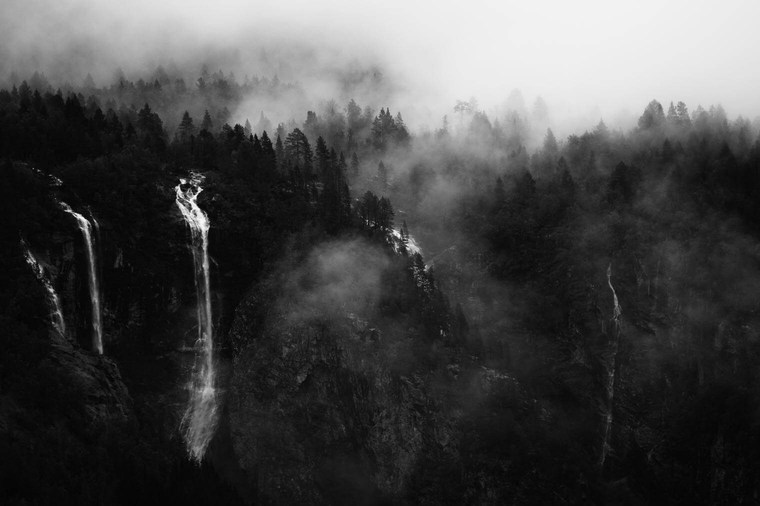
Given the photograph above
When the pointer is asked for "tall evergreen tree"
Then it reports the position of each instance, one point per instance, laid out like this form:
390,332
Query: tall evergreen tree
672,117
186,128
279,152
268,156
683,115
298,152
384,214
206,123
322,158
653,116
354,165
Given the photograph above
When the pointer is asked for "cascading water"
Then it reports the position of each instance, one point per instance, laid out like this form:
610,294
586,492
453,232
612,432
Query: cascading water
611,365
410,242
200,419
86,228
56,316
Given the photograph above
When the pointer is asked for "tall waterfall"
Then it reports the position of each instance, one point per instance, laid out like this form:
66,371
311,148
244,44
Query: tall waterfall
86,228
200,419
610,366
56,316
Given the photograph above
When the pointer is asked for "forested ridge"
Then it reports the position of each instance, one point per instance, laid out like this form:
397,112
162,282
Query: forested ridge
581,326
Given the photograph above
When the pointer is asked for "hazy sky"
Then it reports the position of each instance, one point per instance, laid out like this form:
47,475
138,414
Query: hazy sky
576,54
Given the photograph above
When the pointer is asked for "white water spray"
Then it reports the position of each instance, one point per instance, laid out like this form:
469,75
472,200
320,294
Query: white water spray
86,228
56,316
411,244
201,415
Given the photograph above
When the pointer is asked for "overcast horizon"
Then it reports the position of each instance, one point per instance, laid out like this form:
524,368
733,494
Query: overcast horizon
588,60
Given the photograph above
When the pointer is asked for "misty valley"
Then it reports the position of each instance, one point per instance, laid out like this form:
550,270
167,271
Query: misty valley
338,308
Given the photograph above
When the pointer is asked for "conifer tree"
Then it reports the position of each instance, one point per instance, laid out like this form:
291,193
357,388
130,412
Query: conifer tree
207,124
298,152
322,159
279,152
384,214
354,165
186,128
268,156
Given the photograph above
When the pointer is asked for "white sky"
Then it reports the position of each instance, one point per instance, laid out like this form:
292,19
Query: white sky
576,54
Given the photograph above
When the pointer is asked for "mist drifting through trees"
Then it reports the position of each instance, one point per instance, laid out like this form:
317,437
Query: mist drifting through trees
379,254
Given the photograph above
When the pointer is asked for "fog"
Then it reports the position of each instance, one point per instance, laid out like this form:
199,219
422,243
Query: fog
587,59
337,277
533,152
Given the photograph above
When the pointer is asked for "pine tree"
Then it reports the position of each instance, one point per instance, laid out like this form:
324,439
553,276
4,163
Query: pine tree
343,193
683,115
562,166
653,116
279,152
404,233
354,165
384,129
401,134
207,124
186,128
257,149
341,168
550,144
384,214
322,159
151,129
268,157
367,209
601,131
353,116
298,152
672,117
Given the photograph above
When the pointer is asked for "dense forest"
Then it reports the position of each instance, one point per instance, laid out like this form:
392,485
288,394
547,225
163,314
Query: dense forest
480,314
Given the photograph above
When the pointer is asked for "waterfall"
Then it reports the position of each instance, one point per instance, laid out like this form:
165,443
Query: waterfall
86,228
611,365
200,418
56,316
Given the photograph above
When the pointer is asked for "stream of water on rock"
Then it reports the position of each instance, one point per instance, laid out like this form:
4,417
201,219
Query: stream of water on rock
86,228
200,418
56,315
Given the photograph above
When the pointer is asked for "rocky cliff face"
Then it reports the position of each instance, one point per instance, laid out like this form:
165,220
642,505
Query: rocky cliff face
75,427
311,409
98,393
58,404
332,402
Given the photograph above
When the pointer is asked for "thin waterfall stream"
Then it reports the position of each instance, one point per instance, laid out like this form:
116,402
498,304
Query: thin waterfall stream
200,418
56,315
86,228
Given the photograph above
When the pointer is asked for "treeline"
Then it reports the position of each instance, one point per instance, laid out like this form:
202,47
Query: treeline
112,154
670,211
170,92
48,130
